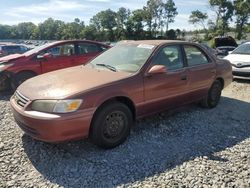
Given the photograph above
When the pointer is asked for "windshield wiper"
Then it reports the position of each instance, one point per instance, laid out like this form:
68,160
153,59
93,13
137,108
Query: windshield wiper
107,66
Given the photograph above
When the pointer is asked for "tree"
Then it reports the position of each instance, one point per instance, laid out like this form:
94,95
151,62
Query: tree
105,21
169,12
122,20
224,10
171,34
152,14
6,32
135,24
73,30
198,18
242,13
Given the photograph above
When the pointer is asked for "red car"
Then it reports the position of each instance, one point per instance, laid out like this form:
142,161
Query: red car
16,68
127,82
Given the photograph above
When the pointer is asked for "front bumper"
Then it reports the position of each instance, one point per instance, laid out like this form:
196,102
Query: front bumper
53,128
242,72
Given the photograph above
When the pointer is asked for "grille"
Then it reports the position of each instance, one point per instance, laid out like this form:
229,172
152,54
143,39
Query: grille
20,99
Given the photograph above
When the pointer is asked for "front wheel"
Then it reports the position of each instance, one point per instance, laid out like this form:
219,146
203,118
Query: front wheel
213,96
111,125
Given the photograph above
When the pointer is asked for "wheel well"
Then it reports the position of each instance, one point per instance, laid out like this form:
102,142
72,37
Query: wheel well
221,81
26,71
125,100
121,99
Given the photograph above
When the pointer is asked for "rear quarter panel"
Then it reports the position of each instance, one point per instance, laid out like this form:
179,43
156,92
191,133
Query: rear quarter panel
224,71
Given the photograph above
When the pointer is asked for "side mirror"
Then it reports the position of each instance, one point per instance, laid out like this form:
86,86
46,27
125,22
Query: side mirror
157,69
44,56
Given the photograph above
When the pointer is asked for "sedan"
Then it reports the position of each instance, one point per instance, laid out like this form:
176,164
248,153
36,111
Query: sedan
16,68
103,99
240,61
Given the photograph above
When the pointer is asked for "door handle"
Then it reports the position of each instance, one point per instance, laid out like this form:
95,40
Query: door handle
183,77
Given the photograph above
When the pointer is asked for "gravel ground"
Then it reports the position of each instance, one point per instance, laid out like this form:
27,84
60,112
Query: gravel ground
190,147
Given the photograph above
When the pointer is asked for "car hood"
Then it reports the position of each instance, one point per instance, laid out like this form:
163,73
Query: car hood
10,57
238,58
67,82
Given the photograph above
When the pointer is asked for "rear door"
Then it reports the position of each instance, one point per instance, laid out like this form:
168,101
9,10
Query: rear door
167,90
201,71
60,56
87,51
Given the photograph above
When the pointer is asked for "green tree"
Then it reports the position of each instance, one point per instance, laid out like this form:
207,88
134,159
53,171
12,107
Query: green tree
73,30
6,32
198,18
105,21
169,12
224,10
122,20
24,30
242,13
152,14
135,24
90,33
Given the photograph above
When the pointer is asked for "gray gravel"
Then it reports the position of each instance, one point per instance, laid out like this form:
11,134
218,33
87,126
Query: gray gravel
189,147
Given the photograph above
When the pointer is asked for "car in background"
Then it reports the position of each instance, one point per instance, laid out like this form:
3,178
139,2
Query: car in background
131,80
16,68
12,49
224,45
240,60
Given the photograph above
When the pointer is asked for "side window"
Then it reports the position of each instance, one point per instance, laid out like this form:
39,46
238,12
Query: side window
195,56
169,56
85,48
61,50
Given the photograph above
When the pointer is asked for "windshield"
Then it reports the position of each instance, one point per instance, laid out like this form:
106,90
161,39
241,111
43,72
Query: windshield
124,57
37,49
243,49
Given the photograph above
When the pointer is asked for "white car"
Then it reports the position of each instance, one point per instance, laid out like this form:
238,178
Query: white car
240,60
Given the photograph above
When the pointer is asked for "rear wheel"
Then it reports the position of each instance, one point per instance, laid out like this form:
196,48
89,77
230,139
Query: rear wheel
111,125
213,96
19,78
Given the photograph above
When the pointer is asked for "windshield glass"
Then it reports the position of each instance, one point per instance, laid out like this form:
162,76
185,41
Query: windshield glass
37,49
124,57
243,49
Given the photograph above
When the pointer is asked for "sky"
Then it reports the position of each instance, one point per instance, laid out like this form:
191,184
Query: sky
15,11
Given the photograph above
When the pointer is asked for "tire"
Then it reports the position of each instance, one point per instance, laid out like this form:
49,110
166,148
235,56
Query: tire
19,78
111,125
213,96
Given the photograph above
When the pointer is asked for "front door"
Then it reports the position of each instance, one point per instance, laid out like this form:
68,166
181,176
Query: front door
166,90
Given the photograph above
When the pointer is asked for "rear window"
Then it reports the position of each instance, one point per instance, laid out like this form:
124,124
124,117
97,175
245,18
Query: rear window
85,48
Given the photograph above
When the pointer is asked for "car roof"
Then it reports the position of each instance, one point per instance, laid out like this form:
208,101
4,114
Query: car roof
66,41
154,42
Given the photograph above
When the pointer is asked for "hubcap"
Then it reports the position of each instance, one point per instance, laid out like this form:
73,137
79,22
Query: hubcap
114,124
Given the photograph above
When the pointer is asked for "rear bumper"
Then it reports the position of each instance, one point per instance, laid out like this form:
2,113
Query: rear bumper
51,127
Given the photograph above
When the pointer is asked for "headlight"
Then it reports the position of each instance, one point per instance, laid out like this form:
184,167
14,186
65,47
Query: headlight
57,106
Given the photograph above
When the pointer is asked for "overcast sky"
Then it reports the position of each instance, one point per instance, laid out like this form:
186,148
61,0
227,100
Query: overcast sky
36,11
